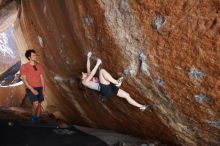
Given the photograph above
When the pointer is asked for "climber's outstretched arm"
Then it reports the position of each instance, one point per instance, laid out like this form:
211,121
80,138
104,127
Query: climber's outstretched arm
93,72
88,62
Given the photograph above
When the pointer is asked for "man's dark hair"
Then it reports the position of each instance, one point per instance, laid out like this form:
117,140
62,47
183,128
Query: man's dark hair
28,53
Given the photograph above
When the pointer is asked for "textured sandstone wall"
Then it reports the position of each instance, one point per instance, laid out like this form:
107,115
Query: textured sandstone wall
8,52
9,96
8,14
168,51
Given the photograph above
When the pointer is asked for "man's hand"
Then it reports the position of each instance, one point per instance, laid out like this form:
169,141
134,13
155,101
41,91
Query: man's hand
89,54
34,91
99,61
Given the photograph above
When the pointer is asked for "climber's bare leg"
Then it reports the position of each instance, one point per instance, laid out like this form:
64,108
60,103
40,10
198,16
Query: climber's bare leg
102,78
104,74
125,95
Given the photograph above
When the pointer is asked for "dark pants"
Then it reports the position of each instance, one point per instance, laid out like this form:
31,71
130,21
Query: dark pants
32,97
108,90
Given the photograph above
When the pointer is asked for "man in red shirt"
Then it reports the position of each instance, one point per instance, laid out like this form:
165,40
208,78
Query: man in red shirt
31,75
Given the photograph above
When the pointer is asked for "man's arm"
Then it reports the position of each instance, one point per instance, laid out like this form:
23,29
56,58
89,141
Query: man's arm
43,83
93,71
88,62
24,79
88,65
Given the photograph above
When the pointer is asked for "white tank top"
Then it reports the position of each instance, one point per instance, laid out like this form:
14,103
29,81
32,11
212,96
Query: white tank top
93,85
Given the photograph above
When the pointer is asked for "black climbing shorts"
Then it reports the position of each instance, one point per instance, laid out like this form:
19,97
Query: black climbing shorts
32,97
108,90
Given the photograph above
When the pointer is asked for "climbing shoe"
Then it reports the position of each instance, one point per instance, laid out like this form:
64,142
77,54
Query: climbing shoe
143,108
120,80
34,118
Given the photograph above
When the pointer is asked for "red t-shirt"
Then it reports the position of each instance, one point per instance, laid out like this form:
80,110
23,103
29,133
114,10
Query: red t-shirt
32,75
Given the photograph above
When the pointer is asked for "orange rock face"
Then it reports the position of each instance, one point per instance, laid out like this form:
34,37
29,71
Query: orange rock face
168,51
11,96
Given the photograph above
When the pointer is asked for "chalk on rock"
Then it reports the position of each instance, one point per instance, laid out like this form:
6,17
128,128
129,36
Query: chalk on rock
196,73
142,57
215,123
158,21
201,98
88,20
144,65
40,41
